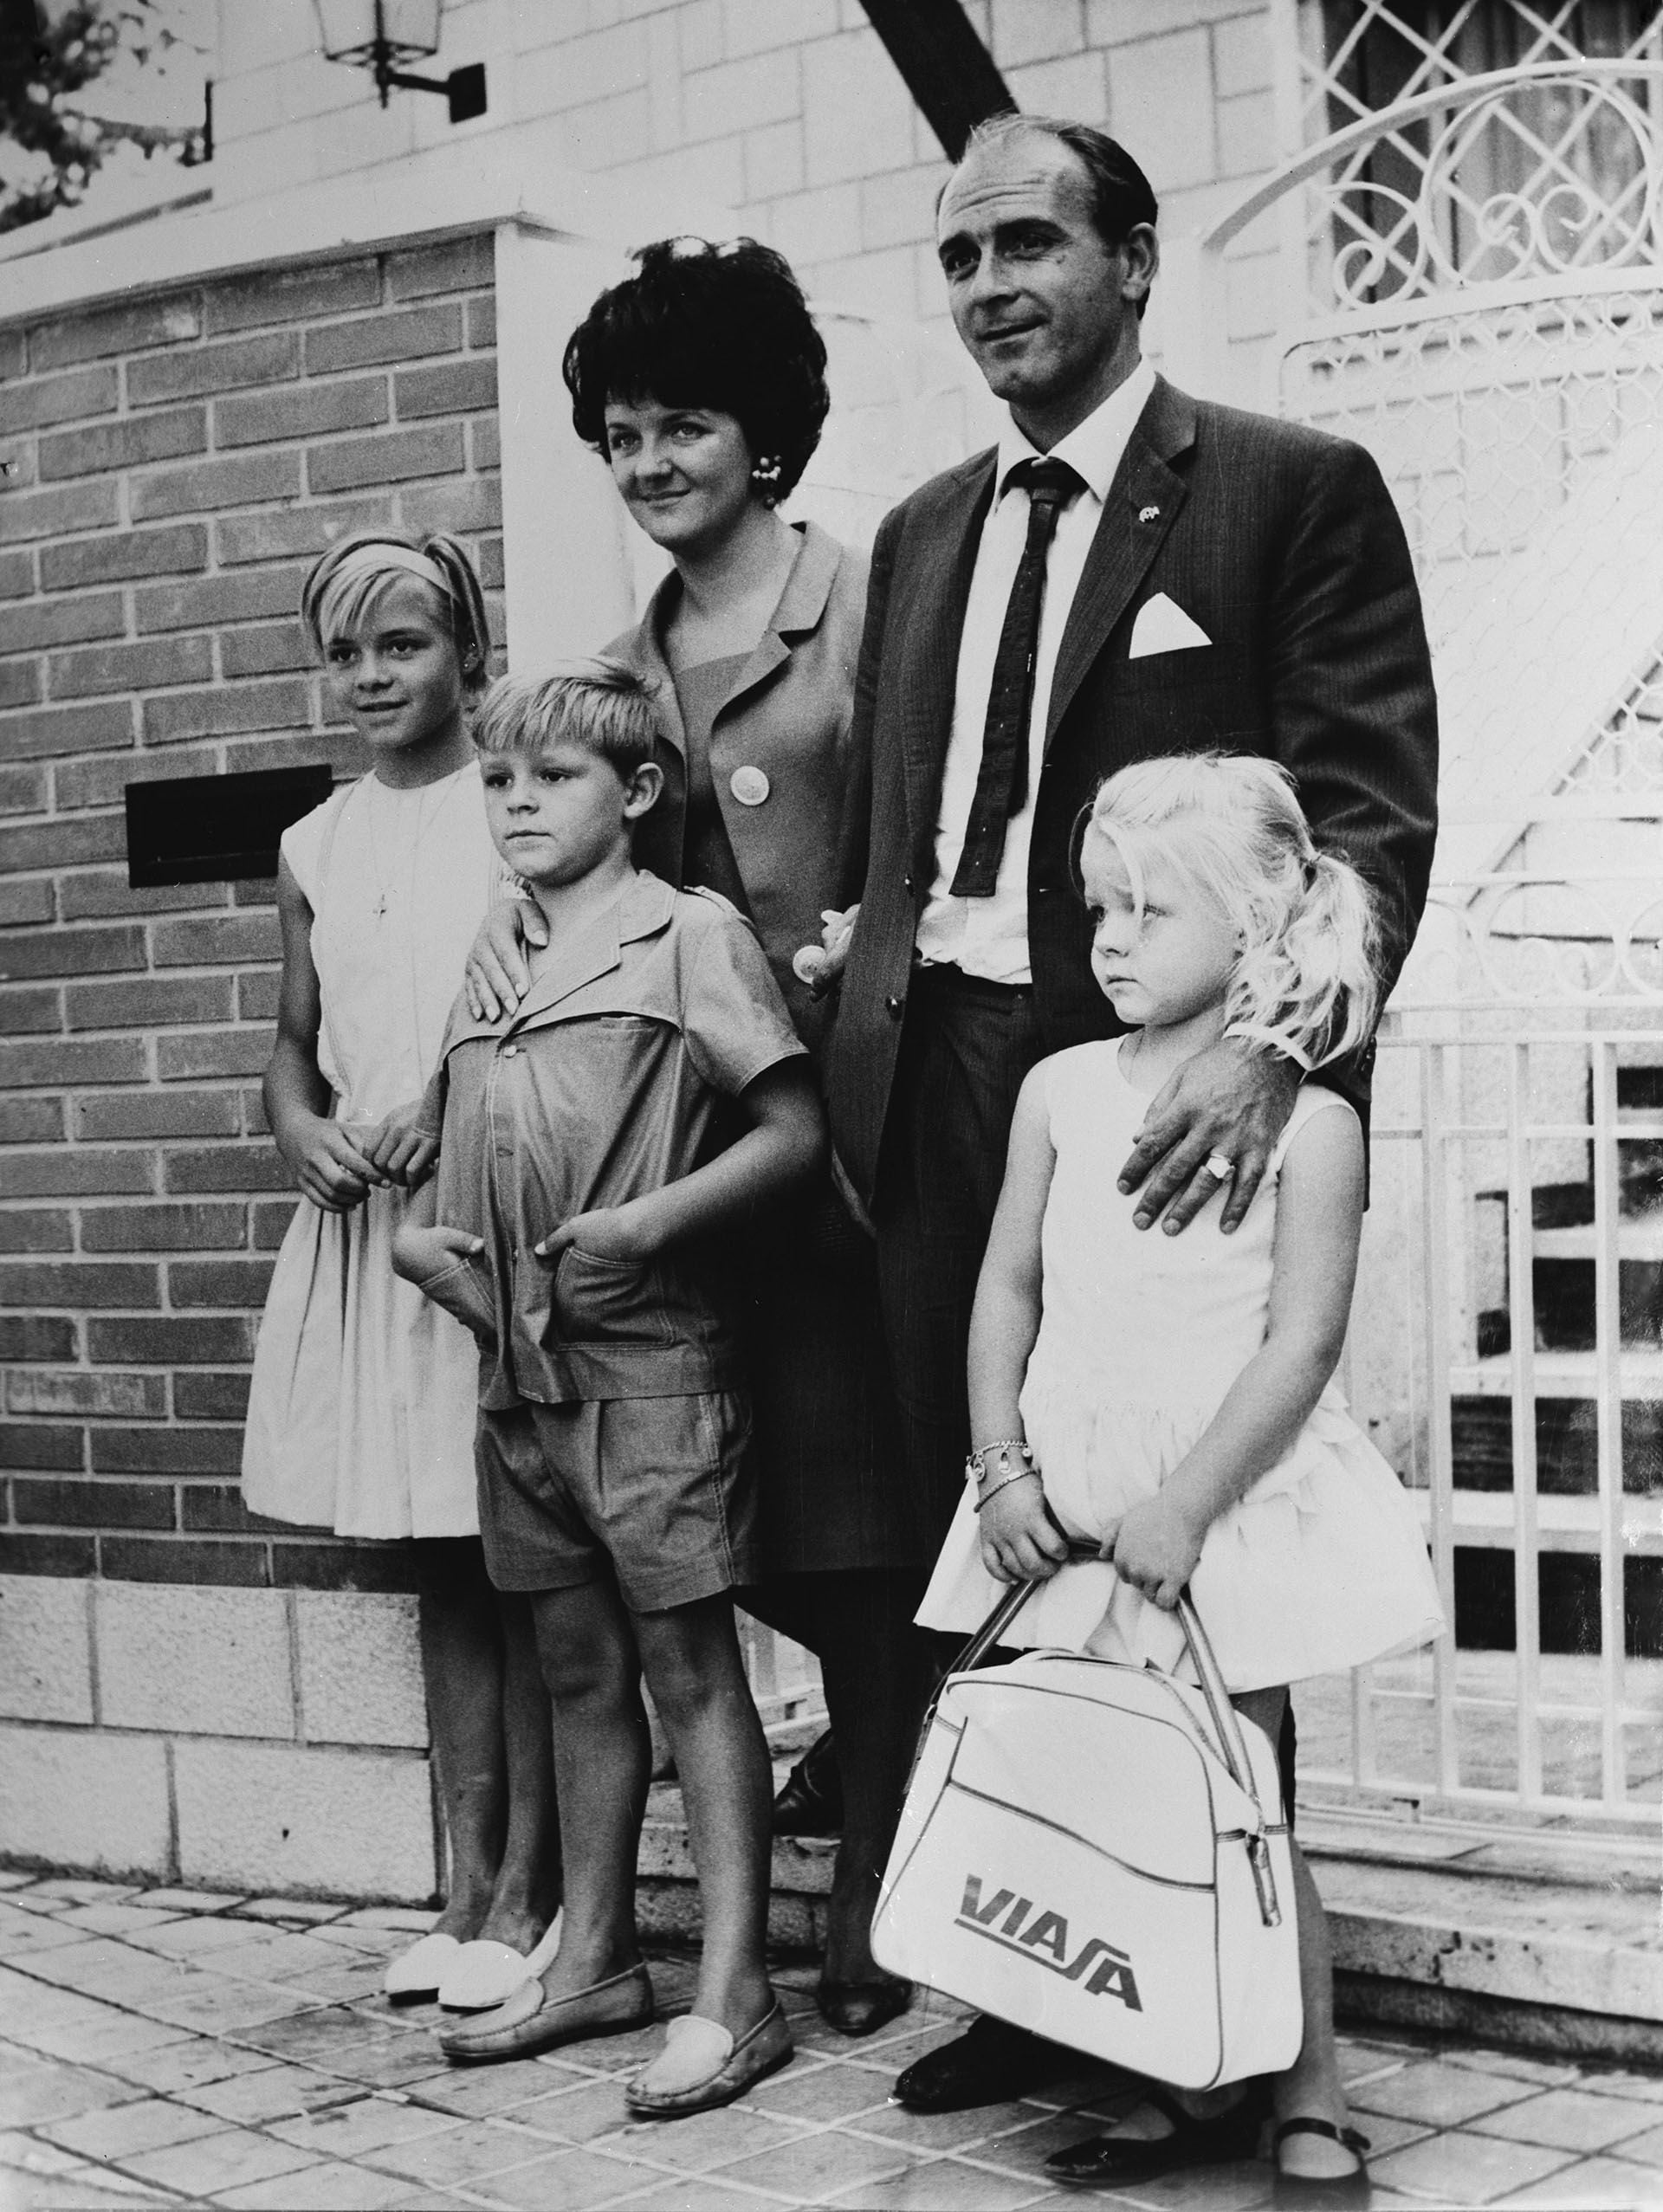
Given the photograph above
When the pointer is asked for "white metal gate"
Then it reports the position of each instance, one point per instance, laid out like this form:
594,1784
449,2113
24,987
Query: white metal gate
1471,284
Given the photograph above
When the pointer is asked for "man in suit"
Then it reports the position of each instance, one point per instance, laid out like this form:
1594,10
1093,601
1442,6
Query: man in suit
1203,579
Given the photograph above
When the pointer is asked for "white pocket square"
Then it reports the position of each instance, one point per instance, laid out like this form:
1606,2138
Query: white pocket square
1163,627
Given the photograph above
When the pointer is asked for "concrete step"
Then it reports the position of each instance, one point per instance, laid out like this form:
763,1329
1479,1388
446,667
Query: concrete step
1544,1939
1552,1940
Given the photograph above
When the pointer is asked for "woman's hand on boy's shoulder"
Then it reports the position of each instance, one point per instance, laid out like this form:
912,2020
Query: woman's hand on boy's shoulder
498,975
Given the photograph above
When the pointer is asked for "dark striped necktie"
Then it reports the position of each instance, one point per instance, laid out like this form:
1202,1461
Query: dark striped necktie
1002,782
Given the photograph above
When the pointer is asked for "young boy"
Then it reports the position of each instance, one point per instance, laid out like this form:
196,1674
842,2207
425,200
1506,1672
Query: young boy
579,1170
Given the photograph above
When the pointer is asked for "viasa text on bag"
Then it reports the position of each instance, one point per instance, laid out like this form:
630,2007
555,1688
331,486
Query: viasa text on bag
1046,1941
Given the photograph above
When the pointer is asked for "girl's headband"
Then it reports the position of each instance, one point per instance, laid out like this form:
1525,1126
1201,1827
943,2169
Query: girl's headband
384,554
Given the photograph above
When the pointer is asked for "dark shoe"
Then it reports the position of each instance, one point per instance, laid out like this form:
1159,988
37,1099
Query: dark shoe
811,1798
1324,2192
531,2020
862,2007
1113,2161
989,2063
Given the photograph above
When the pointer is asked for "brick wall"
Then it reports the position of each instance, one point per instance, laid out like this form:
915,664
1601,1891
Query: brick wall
170,467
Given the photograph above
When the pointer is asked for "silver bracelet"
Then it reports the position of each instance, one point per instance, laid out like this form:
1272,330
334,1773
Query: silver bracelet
1016,1475
1003,1455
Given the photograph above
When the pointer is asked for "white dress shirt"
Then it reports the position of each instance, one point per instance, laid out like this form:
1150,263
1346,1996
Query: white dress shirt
989,937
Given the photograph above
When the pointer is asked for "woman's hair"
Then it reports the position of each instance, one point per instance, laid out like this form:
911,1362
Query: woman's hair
354,573
721,328
1232,825
600,704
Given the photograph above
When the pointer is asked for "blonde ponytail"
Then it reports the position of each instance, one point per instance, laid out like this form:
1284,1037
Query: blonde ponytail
1306,981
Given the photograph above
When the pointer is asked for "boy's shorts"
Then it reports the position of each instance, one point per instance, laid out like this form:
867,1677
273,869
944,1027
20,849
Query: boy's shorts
657,1487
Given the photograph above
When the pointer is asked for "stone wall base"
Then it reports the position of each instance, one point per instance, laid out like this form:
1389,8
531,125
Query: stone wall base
211,1814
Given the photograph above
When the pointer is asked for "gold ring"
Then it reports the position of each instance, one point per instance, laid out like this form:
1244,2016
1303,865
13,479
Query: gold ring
1217,1167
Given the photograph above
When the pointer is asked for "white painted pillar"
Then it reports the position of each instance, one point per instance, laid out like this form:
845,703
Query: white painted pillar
567,563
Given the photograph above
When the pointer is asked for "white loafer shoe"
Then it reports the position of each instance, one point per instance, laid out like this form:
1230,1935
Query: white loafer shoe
414,1976
485,1974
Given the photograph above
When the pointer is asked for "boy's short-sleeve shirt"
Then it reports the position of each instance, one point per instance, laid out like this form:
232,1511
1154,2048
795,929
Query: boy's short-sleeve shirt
611,1079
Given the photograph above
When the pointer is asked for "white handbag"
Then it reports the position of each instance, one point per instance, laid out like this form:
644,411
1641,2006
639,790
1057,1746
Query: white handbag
1085,1852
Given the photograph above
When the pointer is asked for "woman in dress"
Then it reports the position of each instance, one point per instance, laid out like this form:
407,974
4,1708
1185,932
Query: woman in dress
702,381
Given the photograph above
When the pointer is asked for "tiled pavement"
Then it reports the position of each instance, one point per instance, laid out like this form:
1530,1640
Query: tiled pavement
167,2047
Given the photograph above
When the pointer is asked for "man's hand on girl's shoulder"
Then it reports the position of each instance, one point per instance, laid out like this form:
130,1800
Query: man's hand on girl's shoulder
1230,1101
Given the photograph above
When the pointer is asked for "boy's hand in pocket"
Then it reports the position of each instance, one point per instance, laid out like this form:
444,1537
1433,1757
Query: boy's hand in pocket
610,1232
421,1252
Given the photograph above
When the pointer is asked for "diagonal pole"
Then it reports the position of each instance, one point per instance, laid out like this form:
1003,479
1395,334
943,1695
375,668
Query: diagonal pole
949,73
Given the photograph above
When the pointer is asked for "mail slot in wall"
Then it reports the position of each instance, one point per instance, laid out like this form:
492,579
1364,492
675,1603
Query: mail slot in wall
216,829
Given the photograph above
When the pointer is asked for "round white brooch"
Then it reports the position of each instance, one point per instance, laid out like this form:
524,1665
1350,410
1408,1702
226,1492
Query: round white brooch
749,787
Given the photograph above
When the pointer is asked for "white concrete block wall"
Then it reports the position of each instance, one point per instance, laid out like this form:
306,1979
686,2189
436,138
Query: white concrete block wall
283,1819
183,1660
46,1648
82,1798
238,1739
358,1669
787,111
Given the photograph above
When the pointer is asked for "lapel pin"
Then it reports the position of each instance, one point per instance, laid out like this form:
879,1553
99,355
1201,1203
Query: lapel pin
749,787
1148,514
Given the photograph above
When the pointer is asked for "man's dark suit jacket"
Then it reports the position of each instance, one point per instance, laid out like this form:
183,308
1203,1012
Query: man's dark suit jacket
1284,545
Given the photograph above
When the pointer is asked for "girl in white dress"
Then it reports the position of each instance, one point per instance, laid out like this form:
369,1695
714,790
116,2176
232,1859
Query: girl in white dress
1172,1397
362,1409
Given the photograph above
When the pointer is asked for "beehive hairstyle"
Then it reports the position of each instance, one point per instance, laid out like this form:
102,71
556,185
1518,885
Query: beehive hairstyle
721,328
352,575
598,704
1232,825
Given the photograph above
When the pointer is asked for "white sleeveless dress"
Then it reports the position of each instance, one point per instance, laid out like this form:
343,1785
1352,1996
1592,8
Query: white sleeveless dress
1322,1566
362,1409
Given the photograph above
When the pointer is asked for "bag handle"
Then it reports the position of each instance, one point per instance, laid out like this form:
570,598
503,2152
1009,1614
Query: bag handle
1226,1726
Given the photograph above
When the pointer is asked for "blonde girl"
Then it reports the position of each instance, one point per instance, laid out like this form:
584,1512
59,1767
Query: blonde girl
1173,1398
362,1409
